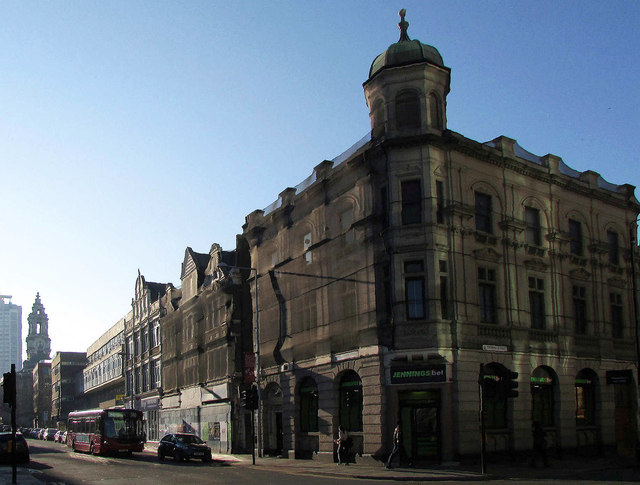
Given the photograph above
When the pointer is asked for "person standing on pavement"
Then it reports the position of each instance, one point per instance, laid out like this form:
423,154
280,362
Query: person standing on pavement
397,438
539,445
342,445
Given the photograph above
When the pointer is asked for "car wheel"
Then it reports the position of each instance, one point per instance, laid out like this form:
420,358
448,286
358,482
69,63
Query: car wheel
206,459
160,456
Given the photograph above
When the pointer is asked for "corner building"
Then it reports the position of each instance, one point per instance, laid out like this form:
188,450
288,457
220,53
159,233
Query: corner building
395,270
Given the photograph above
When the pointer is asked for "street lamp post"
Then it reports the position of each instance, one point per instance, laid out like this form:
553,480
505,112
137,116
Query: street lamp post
256,346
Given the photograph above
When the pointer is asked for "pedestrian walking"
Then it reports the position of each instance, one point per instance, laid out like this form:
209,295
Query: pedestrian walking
397,438
539,445
342,442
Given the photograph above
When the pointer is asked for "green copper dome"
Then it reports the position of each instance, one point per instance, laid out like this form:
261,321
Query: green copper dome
405,51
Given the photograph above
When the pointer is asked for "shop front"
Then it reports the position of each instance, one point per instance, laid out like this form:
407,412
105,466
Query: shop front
419,405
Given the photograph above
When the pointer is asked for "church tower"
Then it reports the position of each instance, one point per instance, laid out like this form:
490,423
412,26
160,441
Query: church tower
407,89
38,341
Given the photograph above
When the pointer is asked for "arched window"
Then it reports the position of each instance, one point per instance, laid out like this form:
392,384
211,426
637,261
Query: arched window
494,402
407,110
585,386
308,393
542,396
435,113
351,402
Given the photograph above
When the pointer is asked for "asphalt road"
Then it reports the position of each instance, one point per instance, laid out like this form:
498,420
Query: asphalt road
54,463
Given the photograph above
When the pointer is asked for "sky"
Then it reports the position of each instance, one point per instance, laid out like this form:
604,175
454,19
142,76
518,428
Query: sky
131,130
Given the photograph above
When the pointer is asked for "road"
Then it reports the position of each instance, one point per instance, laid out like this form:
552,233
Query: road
54,463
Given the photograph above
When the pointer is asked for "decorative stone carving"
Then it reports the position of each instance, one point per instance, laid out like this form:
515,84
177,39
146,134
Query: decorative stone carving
487,254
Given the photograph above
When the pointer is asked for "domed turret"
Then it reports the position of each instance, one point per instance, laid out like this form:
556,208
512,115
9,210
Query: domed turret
407,88
405,51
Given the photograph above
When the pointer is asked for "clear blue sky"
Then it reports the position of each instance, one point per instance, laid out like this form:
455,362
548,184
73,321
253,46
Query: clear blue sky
130,130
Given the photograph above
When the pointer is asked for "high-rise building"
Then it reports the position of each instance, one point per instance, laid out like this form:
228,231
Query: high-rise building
10,334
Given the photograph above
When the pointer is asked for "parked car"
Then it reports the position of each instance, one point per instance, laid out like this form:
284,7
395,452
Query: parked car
21,448
49,434
63,438
41,433
183,446
58,436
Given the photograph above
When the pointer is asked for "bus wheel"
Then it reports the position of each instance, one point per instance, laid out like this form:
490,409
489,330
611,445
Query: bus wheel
91,450
73,446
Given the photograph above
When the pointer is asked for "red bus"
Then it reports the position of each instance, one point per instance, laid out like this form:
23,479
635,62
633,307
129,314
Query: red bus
106,430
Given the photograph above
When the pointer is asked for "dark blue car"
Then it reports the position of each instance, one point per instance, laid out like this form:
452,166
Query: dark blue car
183,447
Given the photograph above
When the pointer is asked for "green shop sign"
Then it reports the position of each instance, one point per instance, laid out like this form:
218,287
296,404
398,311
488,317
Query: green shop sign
415,374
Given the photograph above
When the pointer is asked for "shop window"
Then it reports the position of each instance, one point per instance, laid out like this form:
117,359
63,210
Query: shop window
585,399
575,236
483,213
542,396
350,406
411,202
536,303
488,300
308,394
580,309
533,234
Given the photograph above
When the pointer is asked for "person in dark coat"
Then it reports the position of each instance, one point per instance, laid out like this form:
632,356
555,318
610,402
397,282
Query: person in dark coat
539,445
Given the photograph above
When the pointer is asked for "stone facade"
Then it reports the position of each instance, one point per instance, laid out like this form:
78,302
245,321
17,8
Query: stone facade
206,333
395,270
143,352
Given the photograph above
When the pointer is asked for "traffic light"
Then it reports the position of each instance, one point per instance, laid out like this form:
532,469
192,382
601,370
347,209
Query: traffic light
510,384
252,398
9,388
488,383
244,400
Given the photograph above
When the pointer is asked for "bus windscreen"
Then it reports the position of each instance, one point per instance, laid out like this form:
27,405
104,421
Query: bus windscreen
122,426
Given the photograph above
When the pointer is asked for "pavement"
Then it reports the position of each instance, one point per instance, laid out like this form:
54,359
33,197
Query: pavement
569,467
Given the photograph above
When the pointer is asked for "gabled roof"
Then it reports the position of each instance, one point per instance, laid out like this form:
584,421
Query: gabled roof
193,261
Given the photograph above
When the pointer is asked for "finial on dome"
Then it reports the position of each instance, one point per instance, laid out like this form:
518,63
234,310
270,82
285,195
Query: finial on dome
403,26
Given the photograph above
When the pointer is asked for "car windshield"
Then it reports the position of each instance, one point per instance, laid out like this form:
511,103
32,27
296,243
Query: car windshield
189,439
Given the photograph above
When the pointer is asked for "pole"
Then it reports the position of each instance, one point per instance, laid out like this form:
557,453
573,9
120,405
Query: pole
14,470
483,463
257,347
634,287
253,439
